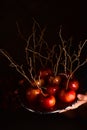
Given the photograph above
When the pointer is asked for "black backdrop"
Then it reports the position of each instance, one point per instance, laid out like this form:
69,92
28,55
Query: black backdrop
52,14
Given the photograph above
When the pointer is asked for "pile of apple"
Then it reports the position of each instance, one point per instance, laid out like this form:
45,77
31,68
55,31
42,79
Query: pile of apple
48,92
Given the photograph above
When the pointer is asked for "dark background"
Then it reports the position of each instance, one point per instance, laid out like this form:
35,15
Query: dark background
73,17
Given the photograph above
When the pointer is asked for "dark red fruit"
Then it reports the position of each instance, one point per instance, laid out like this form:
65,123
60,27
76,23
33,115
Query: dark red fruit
45,73
57,80
48,102
38,83
67,96
54,80
52,90
31,94
74,85
21,82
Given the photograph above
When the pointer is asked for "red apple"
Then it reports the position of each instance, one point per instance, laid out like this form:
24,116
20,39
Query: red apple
52,90
54,80
67,96
57,80
45,73
50,80
48,102
31,94
39,83
22,81
73,85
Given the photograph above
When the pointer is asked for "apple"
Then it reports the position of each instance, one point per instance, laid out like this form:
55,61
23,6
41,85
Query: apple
45,73
50,80
39,83
57,80
67,96
48,102
73,85
21,82
32,94
54,80
52,90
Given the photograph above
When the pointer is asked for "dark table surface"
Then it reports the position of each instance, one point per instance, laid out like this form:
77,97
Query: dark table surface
24,120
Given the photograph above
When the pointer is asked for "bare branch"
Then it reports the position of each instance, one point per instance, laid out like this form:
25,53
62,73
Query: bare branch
19,32
26,49
36,53
81,47
64,46
17,67
58,60
80,65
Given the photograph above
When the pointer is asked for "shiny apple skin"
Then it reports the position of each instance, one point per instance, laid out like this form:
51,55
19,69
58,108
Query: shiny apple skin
45,73
74,85
38,83
32,94
48,102
57,80
52,90
67,96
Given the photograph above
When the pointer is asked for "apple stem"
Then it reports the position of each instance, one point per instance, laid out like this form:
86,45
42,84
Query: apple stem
40,89
67,83
68,79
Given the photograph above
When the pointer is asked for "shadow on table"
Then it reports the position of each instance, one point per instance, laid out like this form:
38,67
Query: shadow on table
23,120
